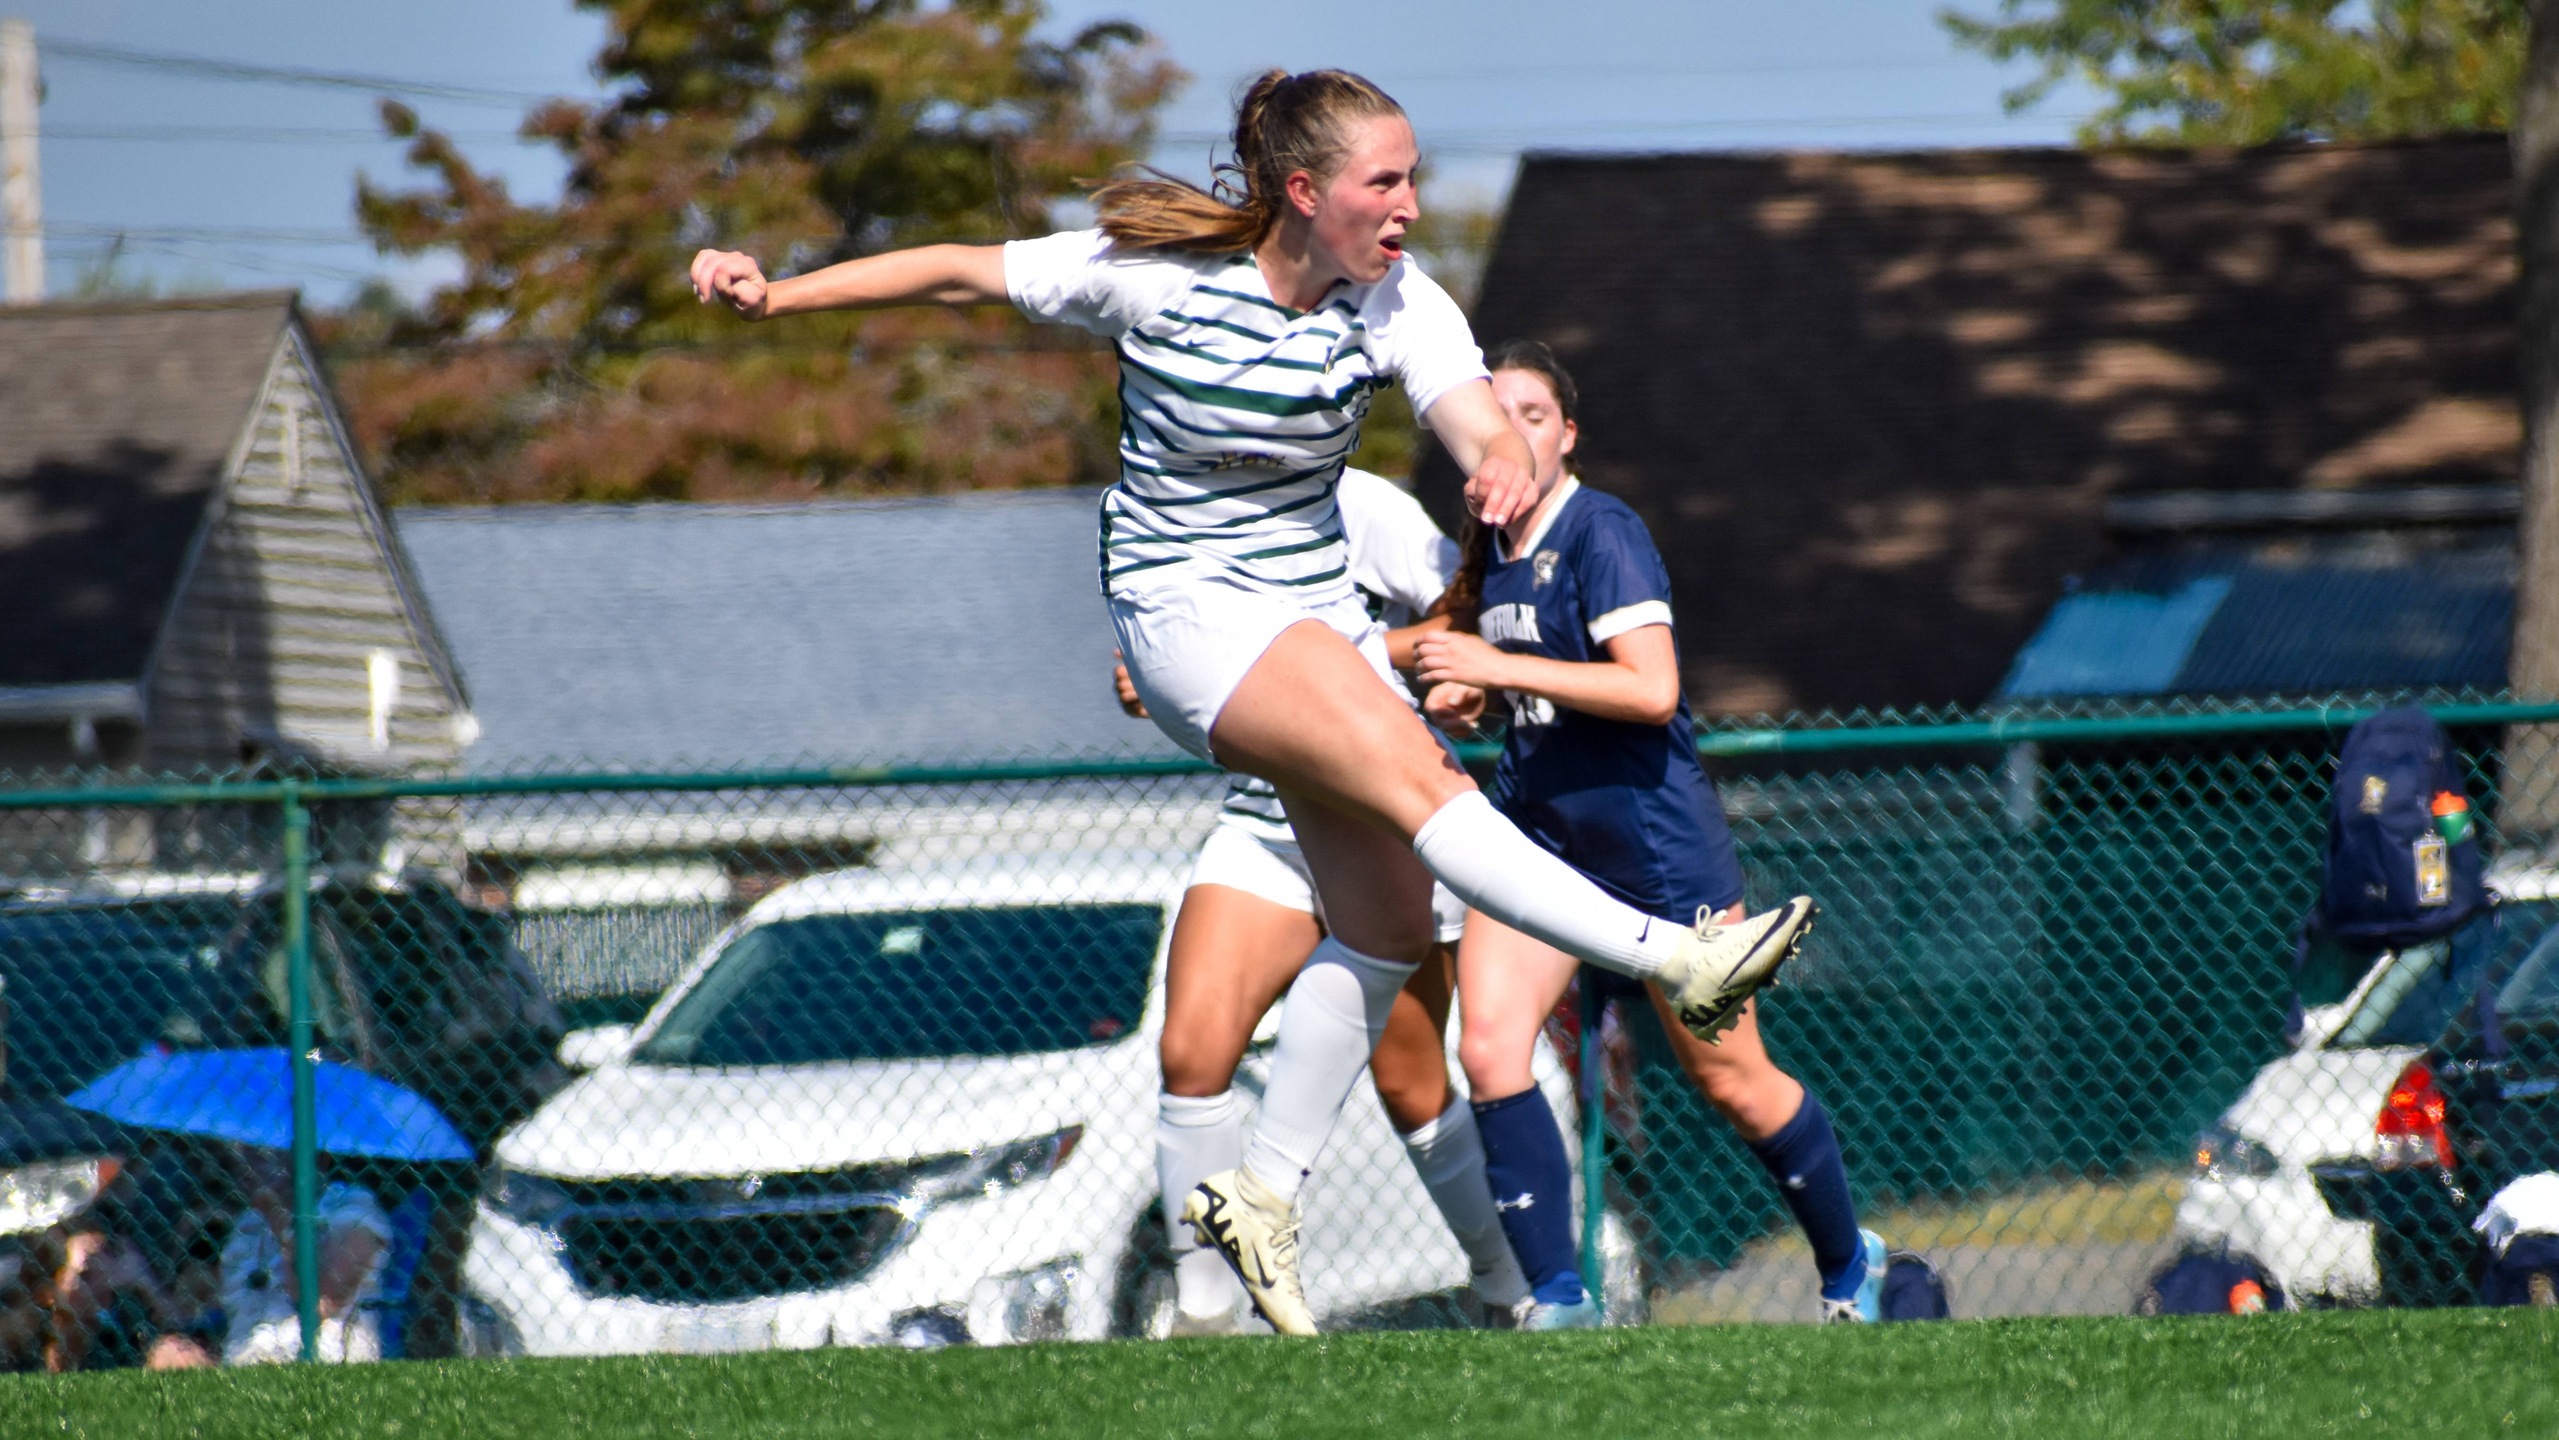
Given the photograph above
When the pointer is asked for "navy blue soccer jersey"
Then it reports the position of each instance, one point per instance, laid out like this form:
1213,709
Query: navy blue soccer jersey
1624,803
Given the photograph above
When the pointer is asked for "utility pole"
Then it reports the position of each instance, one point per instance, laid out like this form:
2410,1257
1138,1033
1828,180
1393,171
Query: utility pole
21,194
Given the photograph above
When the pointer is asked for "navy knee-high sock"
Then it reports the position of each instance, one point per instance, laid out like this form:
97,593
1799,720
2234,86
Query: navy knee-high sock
1803,1158
1532,1180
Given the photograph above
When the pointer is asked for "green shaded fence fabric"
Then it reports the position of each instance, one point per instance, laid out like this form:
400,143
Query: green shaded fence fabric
2056,947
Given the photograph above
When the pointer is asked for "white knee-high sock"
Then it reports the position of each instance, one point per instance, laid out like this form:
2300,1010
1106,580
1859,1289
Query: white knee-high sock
1449,1156
1336,1012
1477,852
1196,1137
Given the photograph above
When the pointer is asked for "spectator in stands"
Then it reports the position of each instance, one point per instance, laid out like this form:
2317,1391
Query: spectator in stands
262,1324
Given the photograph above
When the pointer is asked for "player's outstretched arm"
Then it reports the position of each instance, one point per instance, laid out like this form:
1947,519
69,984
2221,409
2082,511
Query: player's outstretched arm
1501,474
927,275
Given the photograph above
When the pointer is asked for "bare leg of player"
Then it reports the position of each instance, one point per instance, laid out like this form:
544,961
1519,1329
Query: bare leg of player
1370,792
1788,1130
1313,718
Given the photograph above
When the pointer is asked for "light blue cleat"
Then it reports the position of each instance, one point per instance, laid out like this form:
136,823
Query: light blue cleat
1866,1307
1535,1314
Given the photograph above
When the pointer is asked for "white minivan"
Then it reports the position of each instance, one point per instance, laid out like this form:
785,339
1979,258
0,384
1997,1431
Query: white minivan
904,1107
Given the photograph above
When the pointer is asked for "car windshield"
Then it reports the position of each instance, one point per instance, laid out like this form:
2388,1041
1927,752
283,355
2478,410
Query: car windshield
2528,1003
910,984
88,989
2415,991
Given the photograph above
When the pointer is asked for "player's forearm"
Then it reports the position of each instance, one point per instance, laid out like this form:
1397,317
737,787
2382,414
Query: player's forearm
928,275
1609,689
1403,644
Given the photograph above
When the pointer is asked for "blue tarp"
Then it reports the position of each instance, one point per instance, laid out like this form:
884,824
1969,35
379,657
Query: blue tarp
2115,642
2282,620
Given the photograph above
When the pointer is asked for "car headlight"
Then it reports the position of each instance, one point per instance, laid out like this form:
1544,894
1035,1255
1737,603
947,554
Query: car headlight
994,1169
2222,1153
34,1197
519,1195
1024,1306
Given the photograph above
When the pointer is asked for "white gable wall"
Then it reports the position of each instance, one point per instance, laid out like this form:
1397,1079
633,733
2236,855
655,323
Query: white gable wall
294,590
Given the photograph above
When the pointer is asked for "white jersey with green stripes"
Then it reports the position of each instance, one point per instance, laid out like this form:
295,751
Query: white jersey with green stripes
1399,564
1237,413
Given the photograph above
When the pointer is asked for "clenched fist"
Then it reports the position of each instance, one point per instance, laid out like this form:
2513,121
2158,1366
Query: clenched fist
731,276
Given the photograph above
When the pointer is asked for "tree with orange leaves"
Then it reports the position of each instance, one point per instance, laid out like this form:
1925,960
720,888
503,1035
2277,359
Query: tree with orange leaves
569,359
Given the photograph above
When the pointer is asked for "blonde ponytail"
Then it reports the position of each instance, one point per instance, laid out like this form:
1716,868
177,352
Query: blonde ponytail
1285,123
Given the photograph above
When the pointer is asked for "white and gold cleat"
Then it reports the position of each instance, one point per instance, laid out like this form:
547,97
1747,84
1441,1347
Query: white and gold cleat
1722,966
1257,1233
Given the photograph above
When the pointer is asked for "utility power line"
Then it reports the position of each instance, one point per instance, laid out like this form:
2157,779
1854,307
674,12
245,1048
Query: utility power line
1439,138
215,68
263,236
252,134
1607,68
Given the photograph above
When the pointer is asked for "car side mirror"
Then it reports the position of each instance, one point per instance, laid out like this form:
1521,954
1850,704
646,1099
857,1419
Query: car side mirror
595,1047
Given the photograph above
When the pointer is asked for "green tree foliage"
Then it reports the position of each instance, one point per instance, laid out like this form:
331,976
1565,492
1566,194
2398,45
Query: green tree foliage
569,358
2241,72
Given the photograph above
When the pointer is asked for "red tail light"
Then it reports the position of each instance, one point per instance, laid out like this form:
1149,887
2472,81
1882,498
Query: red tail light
2411,1129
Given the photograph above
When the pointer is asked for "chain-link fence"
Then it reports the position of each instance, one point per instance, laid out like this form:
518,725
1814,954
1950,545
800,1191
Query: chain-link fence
568,1063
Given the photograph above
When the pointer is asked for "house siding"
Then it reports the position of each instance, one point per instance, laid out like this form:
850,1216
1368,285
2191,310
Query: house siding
296,584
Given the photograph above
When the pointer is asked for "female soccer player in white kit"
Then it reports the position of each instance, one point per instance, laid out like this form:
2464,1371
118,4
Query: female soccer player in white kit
1250,918
1251,336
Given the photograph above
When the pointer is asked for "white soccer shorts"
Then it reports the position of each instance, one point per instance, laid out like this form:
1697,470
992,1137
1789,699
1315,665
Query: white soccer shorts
1243,854
1189,645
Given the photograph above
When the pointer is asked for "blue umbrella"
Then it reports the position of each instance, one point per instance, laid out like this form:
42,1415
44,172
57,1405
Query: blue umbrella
247,1095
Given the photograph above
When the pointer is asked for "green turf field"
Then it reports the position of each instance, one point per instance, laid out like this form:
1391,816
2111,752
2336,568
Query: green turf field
2377,1373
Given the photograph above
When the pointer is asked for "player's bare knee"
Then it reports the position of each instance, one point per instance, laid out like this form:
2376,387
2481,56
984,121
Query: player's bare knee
1411,1092
1494,1065
1195,1065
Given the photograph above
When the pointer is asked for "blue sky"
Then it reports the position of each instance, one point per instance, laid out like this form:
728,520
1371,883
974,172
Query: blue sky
218,183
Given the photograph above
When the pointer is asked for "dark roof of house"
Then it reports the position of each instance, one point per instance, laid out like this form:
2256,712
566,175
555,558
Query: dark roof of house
2284,616
115,423
640,636
1873,405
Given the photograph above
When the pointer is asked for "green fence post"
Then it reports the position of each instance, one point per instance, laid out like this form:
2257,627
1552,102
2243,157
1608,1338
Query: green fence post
306,1109
1594,1142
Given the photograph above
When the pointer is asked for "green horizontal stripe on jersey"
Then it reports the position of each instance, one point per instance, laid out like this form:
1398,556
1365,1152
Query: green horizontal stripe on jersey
1300,548
1292,478
1324,494
1216,324
1330,335
1124,571
1241,362
1218,432
1266,304
1201,534
1230,397
1336,573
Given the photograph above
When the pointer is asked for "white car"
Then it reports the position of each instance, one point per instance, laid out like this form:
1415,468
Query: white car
2252,1189
899,1106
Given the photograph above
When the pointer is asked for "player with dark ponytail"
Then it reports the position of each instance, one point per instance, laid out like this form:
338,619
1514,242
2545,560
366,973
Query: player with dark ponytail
1600,768
1253,327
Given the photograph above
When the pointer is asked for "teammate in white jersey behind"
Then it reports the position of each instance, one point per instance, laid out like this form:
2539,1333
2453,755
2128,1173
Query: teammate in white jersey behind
1248,922
1251,335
